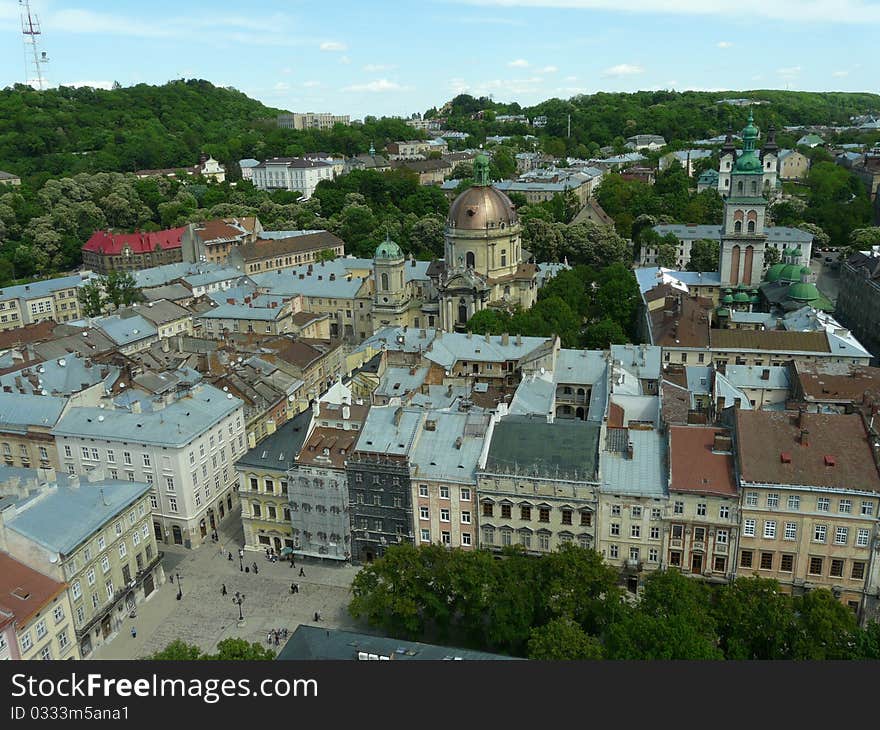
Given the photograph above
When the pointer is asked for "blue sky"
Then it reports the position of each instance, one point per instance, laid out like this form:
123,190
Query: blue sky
382,57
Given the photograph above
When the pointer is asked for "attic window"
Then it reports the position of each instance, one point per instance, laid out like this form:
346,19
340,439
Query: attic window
785,457
21,593
830,460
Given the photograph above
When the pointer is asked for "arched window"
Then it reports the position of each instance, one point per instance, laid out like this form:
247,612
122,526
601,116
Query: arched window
739,187
751,226
754,187
737,227
384,282
470,260
462,314
504,257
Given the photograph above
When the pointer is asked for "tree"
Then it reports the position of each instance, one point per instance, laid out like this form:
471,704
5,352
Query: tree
462,171
427,236
603,333
672,621
325,255
771,256
667,251
241,650
563,639
91,299
120,289
862,239
824,628
755,620
178,651
705,255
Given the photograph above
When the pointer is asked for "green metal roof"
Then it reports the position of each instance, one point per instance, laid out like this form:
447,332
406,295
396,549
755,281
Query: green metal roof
803,292
388,249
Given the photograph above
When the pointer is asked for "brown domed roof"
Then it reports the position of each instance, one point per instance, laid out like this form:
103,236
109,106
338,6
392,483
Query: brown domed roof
480,207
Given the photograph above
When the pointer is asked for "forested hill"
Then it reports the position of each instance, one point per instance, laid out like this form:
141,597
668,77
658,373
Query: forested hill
597,119
61,132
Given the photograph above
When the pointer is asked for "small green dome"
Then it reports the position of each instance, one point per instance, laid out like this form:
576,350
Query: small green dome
748,163
798,251
788,251
774,272
388,250
806,270
803,292
790,273
750,131
728,290
741,297
722,312
727,299
755,299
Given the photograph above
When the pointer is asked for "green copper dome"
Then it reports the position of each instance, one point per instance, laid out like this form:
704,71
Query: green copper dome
806,270
748,162
803,292
727,299
774,272
755,299
790,273
388,250
788,251
741,297
722,312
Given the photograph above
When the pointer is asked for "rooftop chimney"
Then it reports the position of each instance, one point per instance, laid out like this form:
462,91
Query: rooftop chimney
805,437
505,338
488,337
629,450
722,443
765,374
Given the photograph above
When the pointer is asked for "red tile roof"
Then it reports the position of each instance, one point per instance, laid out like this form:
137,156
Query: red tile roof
24,591
784,447
111,244
694,465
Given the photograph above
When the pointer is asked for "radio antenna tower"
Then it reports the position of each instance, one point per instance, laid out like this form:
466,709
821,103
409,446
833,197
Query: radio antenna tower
30,31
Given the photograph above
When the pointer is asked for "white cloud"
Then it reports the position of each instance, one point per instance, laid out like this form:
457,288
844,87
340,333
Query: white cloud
380,85
281,86
377,67
623,69
519,63
789,71
790,11
93,84
549,70
840,74
458,85
311,84
333,46
344,59
571,78
724,44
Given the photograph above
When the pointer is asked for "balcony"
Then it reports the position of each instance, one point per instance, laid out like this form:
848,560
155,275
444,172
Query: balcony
721,548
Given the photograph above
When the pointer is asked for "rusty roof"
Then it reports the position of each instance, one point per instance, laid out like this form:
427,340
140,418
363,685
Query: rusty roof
693,464
782,341
837,382
683,321
24,592
337,443
835,451
264,248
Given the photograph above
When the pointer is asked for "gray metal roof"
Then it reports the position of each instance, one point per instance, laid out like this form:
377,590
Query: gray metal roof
317,642
749,376
18,410
775,234
404,339
65,517
176,424
61,376
529,445
278,451
46,287
398,381
451,347
242,311
380,434
124,331
446,452
644,474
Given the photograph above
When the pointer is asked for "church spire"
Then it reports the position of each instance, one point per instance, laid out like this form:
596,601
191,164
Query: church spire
481,170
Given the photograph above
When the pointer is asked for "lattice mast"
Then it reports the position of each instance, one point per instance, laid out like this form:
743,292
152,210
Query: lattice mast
33,56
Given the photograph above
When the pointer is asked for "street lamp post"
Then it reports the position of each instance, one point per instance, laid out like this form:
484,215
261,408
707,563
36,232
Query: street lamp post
238,599
179,589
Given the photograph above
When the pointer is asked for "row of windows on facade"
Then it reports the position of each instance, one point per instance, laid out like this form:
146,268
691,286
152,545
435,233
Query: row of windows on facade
93,454
99,543
424,514
24,453
525,513
821,532
823,504
464,493
524,537
815,566
171,502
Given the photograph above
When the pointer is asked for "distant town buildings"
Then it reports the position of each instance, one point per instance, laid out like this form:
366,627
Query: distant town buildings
291,173
311,120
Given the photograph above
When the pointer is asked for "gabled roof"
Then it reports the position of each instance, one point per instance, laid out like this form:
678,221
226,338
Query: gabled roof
112,244
24,592
695,466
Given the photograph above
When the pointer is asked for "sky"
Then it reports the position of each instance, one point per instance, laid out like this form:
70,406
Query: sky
394,58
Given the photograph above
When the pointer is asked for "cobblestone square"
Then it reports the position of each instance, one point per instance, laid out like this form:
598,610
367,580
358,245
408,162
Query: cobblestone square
204,616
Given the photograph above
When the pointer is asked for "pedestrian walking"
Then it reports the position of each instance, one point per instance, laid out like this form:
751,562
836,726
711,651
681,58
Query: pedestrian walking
317,617
223,590
269,638
256,569
134,632
230,555
276,638
240,553
267,553
293,588
302,573
291,562
296,587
